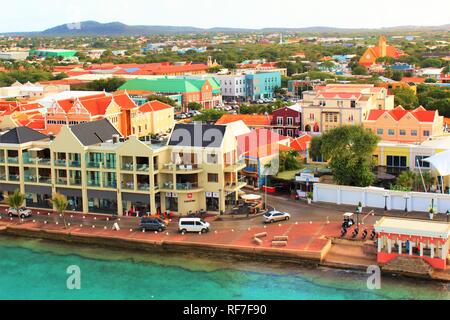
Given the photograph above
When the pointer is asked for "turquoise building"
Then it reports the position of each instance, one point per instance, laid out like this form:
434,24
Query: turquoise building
262,85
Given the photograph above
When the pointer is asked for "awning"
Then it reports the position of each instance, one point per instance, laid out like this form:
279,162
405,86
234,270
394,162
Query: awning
441,162
35,149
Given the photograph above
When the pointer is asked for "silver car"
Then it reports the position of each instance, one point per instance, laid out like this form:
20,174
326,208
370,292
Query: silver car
274,216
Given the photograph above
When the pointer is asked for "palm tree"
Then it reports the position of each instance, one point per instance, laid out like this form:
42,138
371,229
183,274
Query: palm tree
406,179
16,200
60,204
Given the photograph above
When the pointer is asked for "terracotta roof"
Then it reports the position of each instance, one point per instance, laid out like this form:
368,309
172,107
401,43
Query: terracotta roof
249,119
266,150
97,106
153,106
67,104
301,143
399,112
124,101
413,79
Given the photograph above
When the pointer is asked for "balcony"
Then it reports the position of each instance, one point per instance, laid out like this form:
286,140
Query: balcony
74,164
128,185
143,167
45,180
94,183
14,177
109,165
61,181
235,185
188,187
60,162
143,187
30,178
167,186
110,184
13,160
238,166
2,177
180,168
44,162
75,182
127,167
30,161
94,165
2,160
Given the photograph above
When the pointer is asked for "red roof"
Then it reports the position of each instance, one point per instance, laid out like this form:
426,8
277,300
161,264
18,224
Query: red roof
153,106
413,79
67,104
399,112
97,106
124,101
248,119
301,143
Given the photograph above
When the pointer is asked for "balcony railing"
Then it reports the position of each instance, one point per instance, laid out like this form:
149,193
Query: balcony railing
110,165
127,167
2,160
44,162
74,164
94,165
128,185
181,167
2,177
13,160
75,182
142,167
143,186
110,184
94,183
167,185
62,181
14,177
45,180
29,178
60,162
29,160
187,186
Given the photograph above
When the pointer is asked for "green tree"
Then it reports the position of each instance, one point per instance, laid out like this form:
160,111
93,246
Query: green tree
194,106
209,115
109,85
405,97
406,180
289,160
60,204
16,200
359,70
162,99
349,150
397,75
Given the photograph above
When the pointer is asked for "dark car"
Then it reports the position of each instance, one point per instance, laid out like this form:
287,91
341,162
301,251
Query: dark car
152,224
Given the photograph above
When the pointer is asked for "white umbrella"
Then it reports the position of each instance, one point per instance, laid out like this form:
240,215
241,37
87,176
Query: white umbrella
441,162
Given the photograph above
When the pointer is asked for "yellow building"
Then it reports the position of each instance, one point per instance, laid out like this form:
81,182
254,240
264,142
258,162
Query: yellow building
100,172
335,105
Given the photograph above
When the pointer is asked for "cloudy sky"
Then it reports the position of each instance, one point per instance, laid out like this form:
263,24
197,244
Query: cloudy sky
31,15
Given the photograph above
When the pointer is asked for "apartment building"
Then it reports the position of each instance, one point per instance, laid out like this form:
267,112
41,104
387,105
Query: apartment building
335,105
101,172
402,125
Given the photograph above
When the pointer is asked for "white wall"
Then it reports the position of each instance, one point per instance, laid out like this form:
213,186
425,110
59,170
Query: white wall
377,198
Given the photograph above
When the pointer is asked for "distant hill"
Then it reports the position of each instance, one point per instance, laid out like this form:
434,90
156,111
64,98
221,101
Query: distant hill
91,28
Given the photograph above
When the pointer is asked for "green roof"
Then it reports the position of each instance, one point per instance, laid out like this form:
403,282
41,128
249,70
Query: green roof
166,85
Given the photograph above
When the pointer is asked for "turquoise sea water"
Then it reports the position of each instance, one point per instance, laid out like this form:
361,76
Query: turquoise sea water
36,269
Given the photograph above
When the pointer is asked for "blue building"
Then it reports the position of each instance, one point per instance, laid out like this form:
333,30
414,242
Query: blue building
262,85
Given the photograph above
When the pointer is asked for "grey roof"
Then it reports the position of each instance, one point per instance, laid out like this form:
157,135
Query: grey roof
94,132
197,135
21,135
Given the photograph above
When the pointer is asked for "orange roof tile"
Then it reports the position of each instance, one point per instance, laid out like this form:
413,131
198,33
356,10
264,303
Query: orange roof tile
248,119
153,106
301,143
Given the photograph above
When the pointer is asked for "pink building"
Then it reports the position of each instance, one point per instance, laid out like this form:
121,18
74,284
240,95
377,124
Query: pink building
402,125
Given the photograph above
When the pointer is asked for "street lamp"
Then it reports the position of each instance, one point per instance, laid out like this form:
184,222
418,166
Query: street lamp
448,215
406,203
385,200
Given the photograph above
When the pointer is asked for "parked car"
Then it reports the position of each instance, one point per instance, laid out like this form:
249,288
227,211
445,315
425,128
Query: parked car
274,216
180,116
193,113
152,224
23,213
193,225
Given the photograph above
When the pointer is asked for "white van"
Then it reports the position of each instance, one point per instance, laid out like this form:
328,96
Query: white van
193,225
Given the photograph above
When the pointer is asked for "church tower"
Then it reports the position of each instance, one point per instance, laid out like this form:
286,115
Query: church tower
382,44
